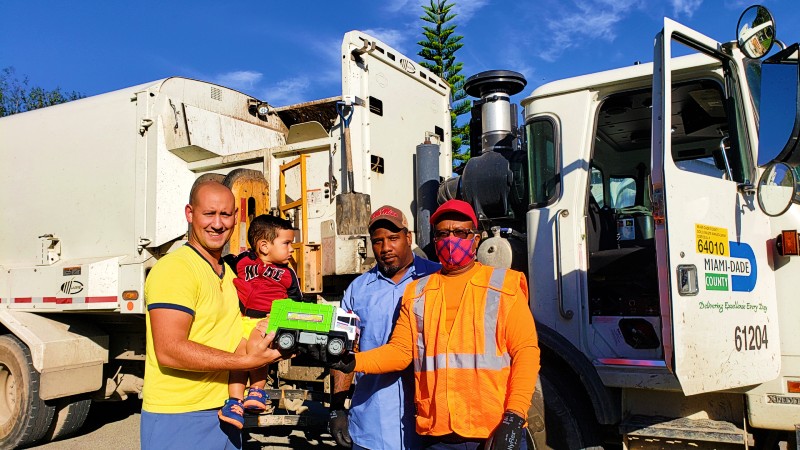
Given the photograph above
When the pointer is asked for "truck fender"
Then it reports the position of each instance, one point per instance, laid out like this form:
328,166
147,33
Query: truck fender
605,402
68,353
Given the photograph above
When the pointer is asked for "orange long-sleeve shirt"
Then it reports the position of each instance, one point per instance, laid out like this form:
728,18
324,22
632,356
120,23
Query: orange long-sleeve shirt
521,341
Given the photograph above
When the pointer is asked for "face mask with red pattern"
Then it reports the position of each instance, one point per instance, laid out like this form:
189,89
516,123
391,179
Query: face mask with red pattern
455,253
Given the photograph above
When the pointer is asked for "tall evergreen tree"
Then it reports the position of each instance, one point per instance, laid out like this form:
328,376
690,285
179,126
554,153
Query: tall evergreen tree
439,54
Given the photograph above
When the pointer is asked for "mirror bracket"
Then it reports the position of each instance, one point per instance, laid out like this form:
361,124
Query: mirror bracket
746,188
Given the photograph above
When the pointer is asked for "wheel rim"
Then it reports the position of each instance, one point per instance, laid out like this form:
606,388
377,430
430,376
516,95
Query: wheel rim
8,398
335,346
286,341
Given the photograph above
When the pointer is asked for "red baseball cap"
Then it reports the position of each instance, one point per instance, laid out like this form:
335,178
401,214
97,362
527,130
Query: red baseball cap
455,206
390,214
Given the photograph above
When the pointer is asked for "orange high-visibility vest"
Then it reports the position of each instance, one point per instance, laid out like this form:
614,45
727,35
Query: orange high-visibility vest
462,374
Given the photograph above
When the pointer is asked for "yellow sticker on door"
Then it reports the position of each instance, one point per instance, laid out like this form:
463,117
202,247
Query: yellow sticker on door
711,240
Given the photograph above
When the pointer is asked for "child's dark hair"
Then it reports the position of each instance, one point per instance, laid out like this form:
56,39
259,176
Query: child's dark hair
266,226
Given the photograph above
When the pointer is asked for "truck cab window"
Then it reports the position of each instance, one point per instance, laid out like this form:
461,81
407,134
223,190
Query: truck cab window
705,139
623,192
596,186
543,170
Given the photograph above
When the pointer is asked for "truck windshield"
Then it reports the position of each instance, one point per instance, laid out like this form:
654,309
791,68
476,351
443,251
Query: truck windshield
623,192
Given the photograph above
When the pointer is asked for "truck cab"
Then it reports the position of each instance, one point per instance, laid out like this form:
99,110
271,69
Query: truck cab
657,274
659,196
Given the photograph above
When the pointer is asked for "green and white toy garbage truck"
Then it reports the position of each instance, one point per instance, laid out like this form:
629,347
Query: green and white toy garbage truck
313,324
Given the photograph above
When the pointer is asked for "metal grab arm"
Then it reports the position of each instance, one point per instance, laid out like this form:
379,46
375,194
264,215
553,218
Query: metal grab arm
566,314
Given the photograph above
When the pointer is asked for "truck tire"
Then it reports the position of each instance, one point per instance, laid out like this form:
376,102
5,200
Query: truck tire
24,416
286,340
568,420
70,414
336,346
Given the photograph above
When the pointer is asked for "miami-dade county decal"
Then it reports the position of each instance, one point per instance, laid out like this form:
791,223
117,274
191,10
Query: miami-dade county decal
729,265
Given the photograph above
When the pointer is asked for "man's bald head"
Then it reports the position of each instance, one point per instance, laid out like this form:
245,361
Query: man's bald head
215,186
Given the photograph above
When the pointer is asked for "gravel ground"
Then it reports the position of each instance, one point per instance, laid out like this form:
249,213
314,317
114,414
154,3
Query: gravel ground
116,426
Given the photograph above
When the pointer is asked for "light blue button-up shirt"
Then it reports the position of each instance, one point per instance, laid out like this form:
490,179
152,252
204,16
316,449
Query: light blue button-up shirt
382,408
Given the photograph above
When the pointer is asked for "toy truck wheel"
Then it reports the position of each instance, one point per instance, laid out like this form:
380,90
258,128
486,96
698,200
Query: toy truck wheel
286,340
336,346
24,416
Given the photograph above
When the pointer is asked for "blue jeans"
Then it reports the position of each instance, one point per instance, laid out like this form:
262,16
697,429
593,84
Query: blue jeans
198,430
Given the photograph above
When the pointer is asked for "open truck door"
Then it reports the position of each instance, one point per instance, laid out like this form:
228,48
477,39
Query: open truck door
717,294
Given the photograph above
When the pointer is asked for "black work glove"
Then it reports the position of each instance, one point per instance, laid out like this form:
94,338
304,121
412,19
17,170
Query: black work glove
345,364
339,428
509,434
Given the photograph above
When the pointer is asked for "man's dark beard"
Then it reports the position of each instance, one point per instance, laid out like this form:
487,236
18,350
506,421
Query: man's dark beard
389,271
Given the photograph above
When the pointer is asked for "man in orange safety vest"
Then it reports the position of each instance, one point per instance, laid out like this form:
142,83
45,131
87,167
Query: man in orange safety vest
471,337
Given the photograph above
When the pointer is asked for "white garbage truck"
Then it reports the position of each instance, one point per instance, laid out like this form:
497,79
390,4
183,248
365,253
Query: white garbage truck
655,211
93,193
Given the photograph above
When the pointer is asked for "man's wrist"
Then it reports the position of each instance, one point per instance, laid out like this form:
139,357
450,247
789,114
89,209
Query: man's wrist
513,419
338,400
252,362
247,362
517,413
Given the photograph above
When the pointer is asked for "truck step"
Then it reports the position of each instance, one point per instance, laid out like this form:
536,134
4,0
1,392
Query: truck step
296,394
285,420
271,418
645,431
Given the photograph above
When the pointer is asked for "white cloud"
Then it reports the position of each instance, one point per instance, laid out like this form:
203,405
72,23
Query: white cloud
404,37
329,48
527,70
685,7
393,37
288,91
593,19
403,5
241,80
467,8
738,4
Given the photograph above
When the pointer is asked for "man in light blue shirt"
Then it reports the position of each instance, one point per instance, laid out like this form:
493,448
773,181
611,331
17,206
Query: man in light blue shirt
381,415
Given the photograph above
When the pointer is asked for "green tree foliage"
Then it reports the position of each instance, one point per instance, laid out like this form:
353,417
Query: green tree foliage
439,54
18,96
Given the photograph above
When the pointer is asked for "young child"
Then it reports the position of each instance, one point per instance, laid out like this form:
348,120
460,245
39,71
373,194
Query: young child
262,276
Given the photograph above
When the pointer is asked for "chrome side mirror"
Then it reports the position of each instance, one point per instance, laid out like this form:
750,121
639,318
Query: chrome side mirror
776,189
755,31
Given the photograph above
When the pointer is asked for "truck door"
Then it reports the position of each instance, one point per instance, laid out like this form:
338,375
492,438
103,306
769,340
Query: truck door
716,289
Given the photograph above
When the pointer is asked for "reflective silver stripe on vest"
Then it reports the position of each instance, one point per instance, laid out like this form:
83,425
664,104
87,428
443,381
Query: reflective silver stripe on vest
419,314
487,360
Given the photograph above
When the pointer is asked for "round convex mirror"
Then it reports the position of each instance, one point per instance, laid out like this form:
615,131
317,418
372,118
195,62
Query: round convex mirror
755,31
776,189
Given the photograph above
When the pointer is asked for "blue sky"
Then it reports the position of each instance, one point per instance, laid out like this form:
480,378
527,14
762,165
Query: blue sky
285,52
